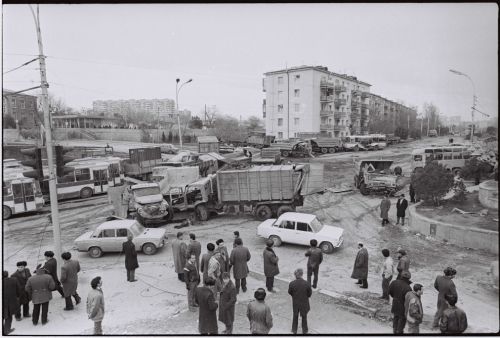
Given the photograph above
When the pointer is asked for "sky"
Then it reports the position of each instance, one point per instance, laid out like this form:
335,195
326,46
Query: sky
134,51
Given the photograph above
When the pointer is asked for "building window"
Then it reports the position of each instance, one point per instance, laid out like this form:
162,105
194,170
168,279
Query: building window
296,121
264,115
22,104
297,107
280,108
280,135
280,122
296,92
297,78
280,80
13,101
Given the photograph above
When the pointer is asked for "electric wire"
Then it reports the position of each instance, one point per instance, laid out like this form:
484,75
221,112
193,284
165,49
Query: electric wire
24,64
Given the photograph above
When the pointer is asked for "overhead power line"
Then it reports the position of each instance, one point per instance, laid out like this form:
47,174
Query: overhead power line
24,64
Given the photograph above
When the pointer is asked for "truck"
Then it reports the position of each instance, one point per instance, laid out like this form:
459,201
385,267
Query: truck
326,145
296,149
376,176
259,140
147,205
206,163
141,162
265,191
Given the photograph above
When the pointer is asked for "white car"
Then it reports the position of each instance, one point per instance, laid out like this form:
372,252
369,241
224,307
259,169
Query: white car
300,228
109,237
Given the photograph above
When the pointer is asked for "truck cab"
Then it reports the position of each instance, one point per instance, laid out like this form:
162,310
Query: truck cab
148,205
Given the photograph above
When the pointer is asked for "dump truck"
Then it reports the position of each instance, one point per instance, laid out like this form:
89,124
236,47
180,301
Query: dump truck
377,176
325,145
296,149
268,156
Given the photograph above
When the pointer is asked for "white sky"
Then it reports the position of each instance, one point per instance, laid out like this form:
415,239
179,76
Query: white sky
138,50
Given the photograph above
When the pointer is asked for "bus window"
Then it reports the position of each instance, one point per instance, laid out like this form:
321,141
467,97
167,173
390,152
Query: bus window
82,174
447,154
429,151
457,155
5,189
417,157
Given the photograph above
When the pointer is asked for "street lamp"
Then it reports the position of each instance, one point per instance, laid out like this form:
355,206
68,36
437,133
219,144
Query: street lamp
456,72
177,90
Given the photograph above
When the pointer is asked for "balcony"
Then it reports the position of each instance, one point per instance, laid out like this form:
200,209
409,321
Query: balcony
365,95
326,83
339,102
364,105
356,93
354,116
340,115
339,128
326,98
325,126
340,89
355,104
326,113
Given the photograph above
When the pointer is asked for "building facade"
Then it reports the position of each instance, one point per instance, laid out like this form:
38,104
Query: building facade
164,107
313,100
21,107
386,116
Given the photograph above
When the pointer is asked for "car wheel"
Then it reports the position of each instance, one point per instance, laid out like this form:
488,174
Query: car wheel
276,240
201,212
398,171
286,153
86,193
263,212
149,249
331,150
95,252
326,247
6,212
284,208
324,150
363,189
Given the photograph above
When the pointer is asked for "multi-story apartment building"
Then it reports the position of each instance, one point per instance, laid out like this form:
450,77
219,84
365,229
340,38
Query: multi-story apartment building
386,115
313,100
164,107
21,107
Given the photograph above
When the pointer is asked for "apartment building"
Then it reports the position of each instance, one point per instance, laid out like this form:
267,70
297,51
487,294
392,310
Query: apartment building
386,115
164,107
21,107
313,100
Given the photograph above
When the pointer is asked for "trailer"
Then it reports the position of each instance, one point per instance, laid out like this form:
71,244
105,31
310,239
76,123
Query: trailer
326,145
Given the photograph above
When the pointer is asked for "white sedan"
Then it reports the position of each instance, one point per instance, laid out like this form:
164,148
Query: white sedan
300,228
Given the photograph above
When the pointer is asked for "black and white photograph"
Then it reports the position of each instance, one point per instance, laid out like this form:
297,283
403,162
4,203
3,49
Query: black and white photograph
250,169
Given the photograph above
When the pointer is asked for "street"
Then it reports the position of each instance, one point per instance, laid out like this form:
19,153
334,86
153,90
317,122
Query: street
156,304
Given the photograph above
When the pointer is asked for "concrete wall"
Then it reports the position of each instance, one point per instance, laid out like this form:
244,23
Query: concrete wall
488,194
455,234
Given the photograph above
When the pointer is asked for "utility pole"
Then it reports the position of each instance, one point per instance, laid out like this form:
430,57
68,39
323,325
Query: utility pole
48,136
428,120
158,129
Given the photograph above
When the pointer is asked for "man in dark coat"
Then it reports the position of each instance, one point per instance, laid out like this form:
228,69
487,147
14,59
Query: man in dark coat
239,258
39,287
192,278
224,255
207,320
270,265
412,194
259,314
403,263
69,280
301,291
236,234
22,274
227,303
194,247
401,206
131,263
51,267
315,258
205,259
385,205
10,303
398,290
444,285
179,249
454,319
360,270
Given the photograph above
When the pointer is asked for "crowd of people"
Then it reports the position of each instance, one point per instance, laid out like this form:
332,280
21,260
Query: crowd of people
218,292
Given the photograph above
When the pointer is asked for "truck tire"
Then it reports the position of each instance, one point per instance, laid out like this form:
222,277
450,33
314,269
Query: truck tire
263,212
324,150
286,153
86,193
149,249
201,212
398,171
363,189
331,150
6,212
276,240
284,208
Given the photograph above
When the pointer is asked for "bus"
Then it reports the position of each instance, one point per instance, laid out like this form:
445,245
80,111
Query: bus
116,173
452,157
20,194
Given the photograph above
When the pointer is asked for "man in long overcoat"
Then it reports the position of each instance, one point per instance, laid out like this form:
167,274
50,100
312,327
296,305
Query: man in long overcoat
207,320
51,267
194,247
192,278
403,263
179,249
315,258
39,287
385,205
360,270
444,285
227,303
205,259
131,263
239,258
224,255
301,291
22,275
401,206
398,290
10,304
271,268
69,280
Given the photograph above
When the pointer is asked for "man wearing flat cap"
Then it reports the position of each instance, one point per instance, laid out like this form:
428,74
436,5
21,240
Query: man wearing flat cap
444,285
22,274
398,290
401,206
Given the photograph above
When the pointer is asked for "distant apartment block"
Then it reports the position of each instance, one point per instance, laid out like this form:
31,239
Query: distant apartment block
21,107
313,100
164,107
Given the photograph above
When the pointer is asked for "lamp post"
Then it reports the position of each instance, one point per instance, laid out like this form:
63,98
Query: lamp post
456,72
177,90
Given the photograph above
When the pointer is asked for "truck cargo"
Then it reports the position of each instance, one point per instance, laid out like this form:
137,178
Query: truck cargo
326,145
295,149
259,140
141,162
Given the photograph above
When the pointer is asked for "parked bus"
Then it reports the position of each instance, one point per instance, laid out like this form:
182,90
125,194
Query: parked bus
20,194
453,158
116,173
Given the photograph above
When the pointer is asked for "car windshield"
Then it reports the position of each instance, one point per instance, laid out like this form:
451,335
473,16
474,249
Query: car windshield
136,229
316,225
147,191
